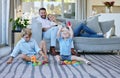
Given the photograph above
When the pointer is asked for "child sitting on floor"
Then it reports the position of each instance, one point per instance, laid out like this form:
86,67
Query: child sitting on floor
65,38
55,22
28,47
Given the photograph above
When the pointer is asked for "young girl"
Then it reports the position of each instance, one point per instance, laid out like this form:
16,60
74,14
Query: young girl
28,47
55,22
65,38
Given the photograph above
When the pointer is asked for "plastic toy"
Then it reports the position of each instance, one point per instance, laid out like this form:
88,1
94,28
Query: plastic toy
37,63
68,23
33,59
74,63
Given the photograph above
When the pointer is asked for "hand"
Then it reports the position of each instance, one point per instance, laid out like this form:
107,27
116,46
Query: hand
45,29
69,24
60,26
10,60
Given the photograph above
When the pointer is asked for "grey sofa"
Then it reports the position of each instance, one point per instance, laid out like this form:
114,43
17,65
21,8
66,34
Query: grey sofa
84,43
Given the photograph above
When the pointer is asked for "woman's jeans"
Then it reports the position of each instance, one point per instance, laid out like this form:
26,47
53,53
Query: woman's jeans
89,32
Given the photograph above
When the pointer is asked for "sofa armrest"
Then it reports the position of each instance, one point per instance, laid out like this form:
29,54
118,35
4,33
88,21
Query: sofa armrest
36,28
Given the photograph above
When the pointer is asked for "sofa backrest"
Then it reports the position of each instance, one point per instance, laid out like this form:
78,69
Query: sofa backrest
94,24
91,22
36,30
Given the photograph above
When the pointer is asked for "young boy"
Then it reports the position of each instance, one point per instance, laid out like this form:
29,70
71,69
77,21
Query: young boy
28,47
65,38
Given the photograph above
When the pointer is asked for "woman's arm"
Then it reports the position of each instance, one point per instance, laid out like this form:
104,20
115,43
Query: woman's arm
71,31
59,30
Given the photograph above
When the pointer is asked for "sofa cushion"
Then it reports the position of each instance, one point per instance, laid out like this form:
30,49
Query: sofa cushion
93,23
106,25
97,44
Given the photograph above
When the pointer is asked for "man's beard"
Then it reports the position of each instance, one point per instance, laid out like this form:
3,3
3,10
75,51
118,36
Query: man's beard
44,17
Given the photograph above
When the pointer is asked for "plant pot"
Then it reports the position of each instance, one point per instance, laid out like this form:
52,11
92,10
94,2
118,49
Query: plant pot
18,28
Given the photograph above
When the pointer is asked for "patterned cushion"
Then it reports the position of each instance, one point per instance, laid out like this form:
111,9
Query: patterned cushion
93,23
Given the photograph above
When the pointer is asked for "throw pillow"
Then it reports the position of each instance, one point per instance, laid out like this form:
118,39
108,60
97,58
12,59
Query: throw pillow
93,23
106,25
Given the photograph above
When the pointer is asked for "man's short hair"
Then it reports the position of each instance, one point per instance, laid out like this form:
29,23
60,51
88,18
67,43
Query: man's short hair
42,9
26,31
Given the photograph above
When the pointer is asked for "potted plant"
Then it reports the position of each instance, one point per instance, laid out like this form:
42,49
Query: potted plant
108,5
19,24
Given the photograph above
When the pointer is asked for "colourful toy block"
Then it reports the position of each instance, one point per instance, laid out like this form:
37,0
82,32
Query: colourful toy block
33,59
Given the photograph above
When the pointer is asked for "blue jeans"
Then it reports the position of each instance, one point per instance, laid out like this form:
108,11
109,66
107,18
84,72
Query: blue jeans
89,32
51,34
66,57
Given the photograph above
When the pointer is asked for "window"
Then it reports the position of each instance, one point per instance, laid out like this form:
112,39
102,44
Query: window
69,8
61,8
53,7
30,8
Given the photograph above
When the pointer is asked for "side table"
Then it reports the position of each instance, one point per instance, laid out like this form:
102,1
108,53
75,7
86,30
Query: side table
13,38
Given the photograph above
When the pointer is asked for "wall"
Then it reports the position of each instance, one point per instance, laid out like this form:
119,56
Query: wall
100,2
97,6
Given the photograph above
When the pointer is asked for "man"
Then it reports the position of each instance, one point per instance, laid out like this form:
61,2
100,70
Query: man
49,32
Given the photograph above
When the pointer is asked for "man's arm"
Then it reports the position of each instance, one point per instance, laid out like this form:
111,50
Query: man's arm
45,29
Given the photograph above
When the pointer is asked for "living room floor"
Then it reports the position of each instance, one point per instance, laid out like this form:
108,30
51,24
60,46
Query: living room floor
103,66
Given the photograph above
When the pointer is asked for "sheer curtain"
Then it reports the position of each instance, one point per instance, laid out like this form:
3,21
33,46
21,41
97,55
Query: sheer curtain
4,21
9,26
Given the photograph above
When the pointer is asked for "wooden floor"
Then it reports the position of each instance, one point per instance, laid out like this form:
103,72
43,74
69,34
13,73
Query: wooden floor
103,66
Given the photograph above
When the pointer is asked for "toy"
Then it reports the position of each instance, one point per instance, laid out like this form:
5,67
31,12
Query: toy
68,23
74,63
35,62
33,59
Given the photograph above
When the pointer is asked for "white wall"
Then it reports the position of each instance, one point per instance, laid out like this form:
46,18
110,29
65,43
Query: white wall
99,7
100,2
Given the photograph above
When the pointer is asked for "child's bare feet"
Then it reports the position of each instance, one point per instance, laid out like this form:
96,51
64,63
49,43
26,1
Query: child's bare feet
88,62
10,60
